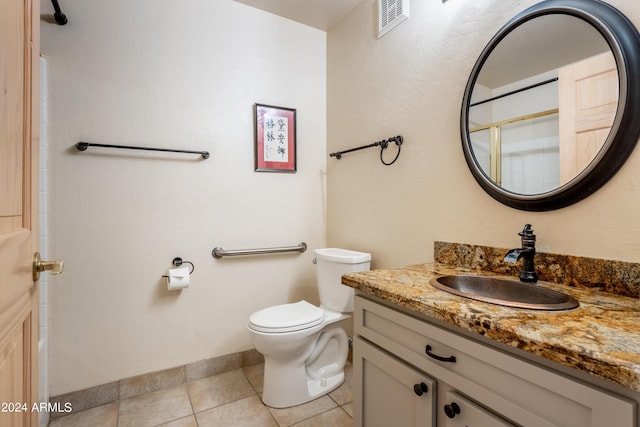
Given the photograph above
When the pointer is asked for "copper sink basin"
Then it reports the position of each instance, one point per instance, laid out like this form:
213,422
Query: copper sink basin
510,293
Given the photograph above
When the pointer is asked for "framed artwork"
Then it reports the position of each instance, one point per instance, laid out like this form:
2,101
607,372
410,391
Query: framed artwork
275,138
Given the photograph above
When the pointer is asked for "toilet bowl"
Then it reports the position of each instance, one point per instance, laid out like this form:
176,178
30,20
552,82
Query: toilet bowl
304,348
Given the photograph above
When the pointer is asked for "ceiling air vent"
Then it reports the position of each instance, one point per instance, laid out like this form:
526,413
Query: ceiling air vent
390,14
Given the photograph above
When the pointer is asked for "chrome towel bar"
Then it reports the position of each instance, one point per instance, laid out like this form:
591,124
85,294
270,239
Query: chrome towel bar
218,252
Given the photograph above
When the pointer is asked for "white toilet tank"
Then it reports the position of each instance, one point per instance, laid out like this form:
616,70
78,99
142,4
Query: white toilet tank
332,263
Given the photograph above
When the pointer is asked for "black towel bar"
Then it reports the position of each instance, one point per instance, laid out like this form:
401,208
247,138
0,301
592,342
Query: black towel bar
60,17
384,144
82,146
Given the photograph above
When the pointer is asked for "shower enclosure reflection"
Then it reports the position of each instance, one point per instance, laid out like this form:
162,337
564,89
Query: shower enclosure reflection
538,116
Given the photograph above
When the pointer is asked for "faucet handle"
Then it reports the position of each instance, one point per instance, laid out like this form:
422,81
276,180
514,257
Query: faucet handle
527,231
527,236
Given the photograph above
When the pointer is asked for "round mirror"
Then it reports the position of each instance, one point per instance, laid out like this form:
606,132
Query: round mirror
552,107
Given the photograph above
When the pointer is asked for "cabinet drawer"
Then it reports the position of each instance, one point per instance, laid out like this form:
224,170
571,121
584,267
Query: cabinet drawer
521,391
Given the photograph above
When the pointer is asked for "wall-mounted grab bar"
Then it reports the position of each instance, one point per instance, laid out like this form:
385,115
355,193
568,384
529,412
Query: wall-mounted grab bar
82,146
218,252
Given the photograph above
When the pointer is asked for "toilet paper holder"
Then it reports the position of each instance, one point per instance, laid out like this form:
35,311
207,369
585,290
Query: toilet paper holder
177,262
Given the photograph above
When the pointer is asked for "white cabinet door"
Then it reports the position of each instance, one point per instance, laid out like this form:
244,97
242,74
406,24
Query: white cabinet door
392,393
461,412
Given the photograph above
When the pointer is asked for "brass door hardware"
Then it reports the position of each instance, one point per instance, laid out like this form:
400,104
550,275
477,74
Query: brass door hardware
55,267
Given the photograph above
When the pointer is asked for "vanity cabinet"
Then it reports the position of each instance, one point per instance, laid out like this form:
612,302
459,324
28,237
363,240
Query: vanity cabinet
467,383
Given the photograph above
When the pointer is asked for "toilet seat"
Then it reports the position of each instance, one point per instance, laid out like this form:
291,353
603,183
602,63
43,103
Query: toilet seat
286,318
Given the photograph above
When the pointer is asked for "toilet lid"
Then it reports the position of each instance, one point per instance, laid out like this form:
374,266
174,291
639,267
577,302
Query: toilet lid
286,317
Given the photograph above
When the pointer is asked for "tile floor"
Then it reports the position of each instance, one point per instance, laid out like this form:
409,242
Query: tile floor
229,399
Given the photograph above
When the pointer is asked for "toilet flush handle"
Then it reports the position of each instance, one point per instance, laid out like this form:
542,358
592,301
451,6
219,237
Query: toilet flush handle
315,261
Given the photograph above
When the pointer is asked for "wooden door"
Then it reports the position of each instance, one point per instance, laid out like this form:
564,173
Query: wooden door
587,101
19,140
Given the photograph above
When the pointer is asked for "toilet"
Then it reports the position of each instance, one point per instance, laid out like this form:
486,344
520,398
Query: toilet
304,350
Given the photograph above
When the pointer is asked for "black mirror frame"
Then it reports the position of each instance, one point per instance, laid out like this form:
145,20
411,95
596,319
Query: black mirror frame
624,40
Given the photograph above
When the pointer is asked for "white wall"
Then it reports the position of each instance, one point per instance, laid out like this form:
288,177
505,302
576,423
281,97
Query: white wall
411,82
179,74
185,74
43,243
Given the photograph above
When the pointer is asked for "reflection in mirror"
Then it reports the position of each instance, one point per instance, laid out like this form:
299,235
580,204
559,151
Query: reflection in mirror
543,104
551,109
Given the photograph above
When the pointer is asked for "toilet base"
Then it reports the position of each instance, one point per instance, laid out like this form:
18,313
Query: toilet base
281,396
317,372
318,388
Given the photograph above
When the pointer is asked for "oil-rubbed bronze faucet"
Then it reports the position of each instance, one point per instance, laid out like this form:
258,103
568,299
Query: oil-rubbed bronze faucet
526,252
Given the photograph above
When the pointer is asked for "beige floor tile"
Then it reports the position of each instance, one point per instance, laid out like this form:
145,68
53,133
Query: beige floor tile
106,415
348,408
247,412
290,416
334,418
219,389
189,421
227,399
343,394
255,375
155,408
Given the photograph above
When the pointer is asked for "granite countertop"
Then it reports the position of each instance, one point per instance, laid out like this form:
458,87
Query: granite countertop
601,337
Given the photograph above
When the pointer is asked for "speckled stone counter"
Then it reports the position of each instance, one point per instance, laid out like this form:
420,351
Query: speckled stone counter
601,337
616,277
